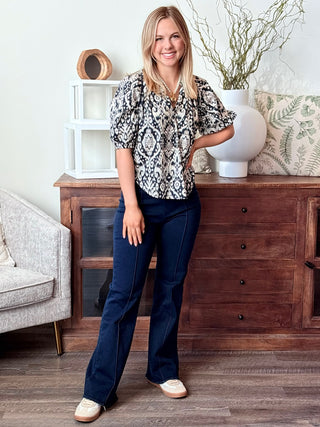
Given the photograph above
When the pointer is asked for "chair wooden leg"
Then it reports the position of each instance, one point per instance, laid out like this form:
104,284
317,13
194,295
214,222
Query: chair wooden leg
58,339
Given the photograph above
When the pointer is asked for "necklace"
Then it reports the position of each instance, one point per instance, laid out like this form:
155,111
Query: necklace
172,96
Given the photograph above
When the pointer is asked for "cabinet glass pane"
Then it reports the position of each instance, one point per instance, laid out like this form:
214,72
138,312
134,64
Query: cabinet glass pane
316,296
97,231
318,234
96,287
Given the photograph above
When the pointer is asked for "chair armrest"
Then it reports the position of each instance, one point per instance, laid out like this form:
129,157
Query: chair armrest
36,241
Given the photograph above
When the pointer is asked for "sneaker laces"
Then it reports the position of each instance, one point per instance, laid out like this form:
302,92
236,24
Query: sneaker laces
86,403
173,383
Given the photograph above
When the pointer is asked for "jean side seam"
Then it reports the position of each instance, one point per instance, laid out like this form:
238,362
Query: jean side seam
174,278
181,244
118,326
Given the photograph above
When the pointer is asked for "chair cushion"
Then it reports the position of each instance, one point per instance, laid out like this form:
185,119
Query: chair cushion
20,287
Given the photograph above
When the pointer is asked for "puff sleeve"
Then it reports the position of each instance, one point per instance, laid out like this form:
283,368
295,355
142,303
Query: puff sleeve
124,114
212,115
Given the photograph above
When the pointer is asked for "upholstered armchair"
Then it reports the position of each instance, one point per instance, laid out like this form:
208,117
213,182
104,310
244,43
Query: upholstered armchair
34,267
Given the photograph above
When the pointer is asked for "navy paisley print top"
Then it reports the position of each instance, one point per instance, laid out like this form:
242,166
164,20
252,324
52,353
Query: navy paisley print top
161,136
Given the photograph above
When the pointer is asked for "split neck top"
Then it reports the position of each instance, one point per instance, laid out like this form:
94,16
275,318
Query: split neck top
160,135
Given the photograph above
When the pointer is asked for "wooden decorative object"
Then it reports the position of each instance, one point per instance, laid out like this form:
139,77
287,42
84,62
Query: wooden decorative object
93,64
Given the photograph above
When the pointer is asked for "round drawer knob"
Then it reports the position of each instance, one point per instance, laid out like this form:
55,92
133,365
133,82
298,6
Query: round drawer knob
243,246
242,282
244,210
240,316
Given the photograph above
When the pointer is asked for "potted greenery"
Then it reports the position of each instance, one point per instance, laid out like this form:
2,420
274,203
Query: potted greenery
249,38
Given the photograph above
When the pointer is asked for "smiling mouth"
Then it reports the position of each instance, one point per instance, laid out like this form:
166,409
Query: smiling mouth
169,55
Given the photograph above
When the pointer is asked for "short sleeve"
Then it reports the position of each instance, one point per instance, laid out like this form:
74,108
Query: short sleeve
124,114
212,115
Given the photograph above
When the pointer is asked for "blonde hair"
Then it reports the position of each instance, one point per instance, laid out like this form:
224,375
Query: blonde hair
151,74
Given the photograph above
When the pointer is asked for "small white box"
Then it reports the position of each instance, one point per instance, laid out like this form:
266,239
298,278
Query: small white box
89,152
91,99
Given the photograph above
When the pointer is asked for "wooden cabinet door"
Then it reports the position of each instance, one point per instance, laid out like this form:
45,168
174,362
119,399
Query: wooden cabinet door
92,225
92,231
311,294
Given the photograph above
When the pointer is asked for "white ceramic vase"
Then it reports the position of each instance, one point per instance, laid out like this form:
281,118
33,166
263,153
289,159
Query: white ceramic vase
248,140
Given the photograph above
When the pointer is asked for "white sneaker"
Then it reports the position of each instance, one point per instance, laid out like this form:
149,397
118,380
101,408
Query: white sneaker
172,388
87,411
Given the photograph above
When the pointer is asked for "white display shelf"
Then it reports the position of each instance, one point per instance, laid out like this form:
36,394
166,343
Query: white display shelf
82,144
91,99
89,152
94,173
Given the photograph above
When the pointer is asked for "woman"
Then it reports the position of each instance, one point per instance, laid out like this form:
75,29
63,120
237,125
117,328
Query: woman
155,116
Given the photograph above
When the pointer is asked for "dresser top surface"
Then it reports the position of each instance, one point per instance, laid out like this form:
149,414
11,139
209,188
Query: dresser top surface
206,180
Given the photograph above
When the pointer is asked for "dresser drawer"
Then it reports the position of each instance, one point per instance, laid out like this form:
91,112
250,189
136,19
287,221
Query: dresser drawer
244,246
241,316
240,285
246,210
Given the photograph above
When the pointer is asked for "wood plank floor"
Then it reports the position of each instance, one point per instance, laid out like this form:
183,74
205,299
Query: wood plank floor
227,388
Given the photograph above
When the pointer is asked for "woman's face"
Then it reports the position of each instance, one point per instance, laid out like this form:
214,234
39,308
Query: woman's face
168,47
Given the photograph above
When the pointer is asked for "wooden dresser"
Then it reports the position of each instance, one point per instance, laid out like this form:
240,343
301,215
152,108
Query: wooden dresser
254,276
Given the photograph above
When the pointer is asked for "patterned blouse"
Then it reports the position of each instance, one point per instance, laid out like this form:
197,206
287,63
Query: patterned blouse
161,136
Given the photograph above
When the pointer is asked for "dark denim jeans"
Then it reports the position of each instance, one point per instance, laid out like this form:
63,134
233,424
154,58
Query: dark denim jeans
171,225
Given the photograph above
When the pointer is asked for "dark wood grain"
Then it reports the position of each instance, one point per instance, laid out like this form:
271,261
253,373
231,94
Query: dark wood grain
226,388
259,229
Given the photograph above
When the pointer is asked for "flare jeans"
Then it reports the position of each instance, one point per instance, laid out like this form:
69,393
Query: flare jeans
171,227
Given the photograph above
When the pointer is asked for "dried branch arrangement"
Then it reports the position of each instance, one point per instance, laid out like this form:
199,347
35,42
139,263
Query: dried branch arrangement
249,37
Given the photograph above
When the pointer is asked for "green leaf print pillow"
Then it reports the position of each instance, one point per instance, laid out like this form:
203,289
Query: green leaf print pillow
293,135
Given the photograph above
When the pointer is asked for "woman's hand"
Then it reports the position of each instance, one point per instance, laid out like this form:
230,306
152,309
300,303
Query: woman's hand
210,140
133,221
192,151
133,225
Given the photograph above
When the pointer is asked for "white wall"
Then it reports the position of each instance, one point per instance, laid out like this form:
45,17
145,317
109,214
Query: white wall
40,43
